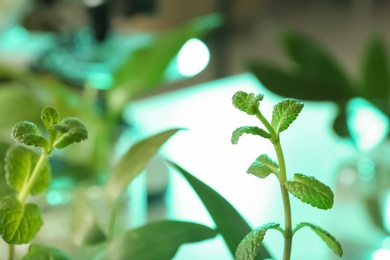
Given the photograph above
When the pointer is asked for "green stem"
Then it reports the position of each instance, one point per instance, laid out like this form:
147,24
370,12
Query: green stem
11,252
34,176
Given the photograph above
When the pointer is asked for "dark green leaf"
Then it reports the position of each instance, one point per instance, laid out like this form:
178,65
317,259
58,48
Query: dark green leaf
18,223
39,252
19,164
134,162
254,130
332,242
230,223
28,133
50,116
310,190
284,113
375,71
247,103
263,166
250,245
72,131
157,241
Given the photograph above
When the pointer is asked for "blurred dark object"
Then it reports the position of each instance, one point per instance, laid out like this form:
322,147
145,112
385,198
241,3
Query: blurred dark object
131,7
100,20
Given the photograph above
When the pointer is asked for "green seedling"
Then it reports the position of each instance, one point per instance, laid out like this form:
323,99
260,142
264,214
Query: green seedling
306,188
28,172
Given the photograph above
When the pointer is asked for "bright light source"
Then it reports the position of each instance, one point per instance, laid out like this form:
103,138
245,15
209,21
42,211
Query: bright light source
192,58
381,254
367,124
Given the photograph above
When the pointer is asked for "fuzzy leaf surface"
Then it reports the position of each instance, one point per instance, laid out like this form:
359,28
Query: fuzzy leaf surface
250,245
28,133
330,241
222,213
50,116
158,240
284,113
133,163
263,166
39,252
72,131
247,103
253,130
310,190
19,223
19,164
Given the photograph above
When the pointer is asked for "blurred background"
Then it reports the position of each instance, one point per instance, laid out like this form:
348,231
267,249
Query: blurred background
131,68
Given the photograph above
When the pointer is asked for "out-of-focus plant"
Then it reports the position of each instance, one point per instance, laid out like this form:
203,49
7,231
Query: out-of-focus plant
313,74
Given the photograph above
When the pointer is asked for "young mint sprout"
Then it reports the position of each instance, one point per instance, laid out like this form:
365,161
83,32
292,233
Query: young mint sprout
306,188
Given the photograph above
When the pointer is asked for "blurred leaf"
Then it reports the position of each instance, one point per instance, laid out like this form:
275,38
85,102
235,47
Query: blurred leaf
263,166
50,116
340,126
250,245
284,113
39,252
247,102
229,222
375,71
4,188
72,131
158,240
254,130
134,162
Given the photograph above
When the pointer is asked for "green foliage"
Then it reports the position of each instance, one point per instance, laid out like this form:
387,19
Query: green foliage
28,133
263,166
307,189
158,240
72,131
249,246
39,252
222,212
310,190
331,242
254,130
50,117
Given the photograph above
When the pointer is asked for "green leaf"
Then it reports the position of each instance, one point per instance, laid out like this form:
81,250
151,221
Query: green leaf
158,240
222,212
375,70
19,164
284,113
28,133
39,252
250,245
18,223
310,190
72,131
248,103
332,242
263,166
254,130
134,162
83,224
50,116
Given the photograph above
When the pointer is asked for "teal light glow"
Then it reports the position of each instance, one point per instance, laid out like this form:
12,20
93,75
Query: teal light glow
366,169
192,58
367,124
14,37
100,80
55,197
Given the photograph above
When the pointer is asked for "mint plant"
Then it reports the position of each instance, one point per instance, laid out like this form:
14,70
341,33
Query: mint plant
28,172
306,188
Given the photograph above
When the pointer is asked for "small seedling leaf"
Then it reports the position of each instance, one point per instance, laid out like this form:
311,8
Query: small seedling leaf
284,113
28,133
331,241
50,116
158,240
263,166
310,190
249,246
19,164
247,103
254,130
72,131
18,223
39,252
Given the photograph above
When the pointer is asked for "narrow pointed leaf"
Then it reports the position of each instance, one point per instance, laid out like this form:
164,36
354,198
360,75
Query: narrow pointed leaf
250,245
39,252
18,223
72,131
28,133
19,164
254,130
158,240
263,166
332,242
310,190
134,162
284,113
245,102
223,214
